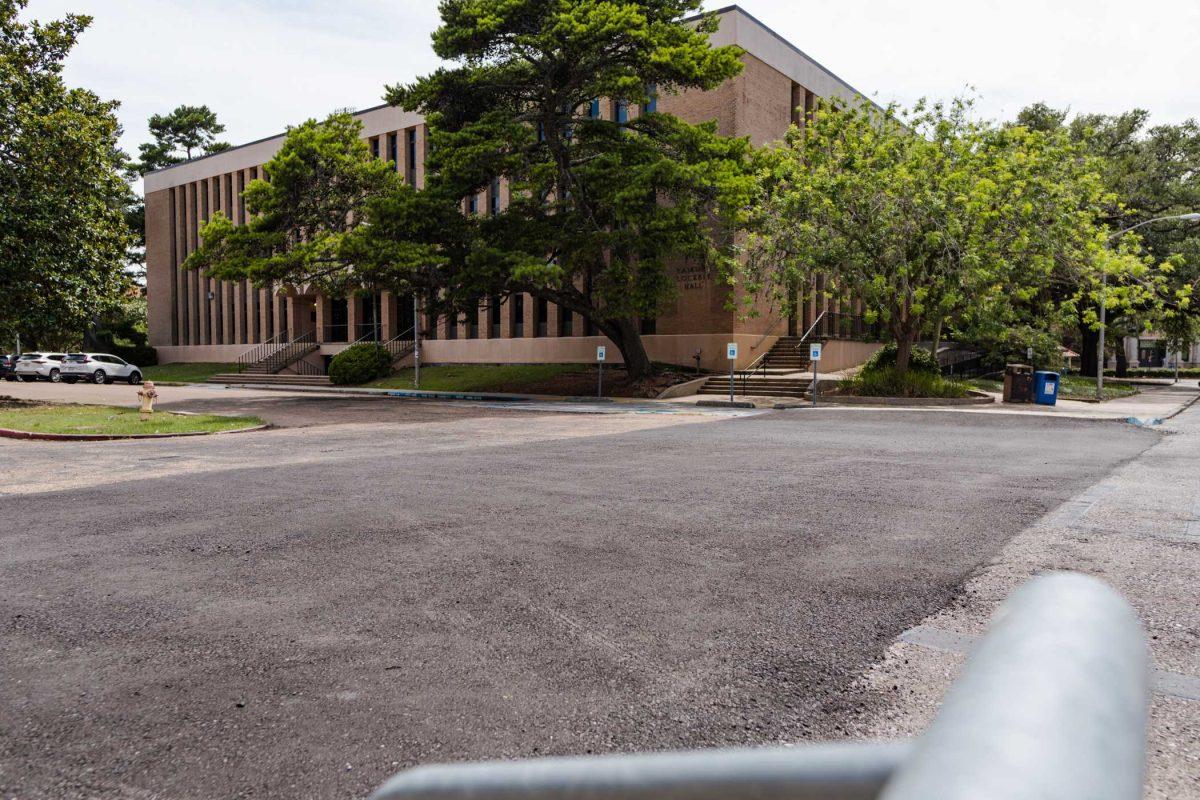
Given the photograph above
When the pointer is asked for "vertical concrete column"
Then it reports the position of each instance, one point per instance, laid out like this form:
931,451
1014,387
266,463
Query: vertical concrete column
180,245
214,286
353,317
238,292
530,328
553,318
264,316
388,315
323,307
277,305
293,325
507,318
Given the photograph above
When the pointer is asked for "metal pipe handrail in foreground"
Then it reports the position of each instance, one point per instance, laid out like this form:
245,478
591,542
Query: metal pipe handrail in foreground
1051,705
847,771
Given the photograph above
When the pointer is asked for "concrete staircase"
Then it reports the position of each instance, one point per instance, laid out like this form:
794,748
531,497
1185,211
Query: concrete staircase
269,379
783,372
266,364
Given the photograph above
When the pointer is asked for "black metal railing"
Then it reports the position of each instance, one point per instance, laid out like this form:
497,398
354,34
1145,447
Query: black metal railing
400,345
261,351
283,354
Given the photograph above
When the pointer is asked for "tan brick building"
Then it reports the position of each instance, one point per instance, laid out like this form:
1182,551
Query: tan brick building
196,318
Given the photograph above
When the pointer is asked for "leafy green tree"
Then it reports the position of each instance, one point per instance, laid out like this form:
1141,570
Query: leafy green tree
931,218
600,208
183,134
63,236
1148,172
321,187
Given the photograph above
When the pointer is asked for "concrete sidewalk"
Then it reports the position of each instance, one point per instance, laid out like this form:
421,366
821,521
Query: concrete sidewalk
1139,530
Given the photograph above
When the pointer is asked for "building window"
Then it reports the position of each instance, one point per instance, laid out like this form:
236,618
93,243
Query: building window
566,322
374,147
652,101
518,314
649,326
394,148
452,325
494,197
494,316
229,195
473,204
594,108
412,157
543,317
621,108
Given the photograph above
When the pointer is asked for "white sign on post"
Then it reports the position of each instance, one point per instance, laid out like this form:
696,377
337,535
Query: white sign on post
600,352
731,351
814,351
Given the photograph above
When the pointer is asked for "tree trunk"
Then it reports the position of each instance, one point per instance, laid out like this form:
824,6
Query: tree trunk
904,343
937,338
626,335
1088,341
1122,360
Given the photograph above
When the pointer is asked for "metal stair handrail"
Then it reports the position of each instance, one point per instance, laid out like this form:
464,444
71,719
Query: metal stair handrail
260,351
401,344
289,352
1053,704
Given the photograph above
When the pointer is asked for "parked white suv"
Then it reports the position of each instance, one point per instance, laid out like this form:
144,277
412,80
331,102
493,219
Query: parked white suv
98,368
32,366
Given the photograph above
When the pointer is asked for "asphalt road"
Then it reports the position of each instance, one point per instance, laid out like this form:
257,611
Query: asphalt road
299,613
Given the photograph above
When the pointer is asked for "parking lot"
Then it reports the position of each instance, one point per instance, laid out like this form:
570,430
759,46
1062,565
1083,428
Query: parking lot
301,612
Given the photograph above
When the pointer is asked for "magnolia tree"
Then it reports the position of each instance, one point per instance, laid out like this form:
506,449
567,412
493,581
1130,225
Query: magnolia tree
936,221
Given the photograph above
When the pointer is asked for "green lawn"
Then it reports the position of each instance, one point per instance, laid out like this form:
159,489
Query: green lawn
82,419
478,377
197,372
1072,387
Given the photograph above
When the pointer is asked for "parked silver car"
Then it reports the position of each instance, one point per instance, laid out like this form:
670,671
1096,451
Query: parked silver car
43,366
98,368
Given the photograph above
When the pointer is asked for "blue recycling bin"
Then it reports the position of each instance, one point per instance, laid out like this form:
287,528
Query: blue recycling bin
1045,388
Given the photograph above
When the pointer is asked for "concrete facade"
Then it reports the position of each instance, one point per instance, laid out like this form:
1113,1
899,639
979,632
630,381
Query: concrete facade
195,318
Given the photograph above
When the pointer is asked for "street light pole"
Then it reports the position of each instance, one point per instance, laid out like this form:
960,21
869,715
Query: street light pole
1100,357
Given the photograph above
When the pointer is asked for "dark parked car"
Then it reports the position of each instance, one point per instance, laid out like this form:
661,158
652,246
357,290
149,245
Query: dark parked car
7,360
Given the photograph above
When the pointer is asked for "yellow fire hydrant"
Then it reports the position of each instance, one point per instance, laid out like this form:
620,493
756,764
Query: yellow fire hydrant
147,395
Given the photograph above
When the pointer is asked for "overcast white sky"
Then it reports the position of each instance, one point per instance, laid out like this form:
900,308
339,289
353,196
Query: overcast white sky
262,65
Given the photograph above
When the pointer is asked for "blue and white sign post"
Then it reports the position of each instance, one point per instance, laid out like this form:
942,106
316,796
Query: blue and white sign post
600,355
814,355
731,354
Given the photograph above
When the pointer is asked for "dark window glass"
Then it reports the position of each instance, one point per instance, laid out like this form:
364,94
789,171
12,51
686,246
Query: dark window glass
394,148
543,317
494,197
494,316
566,326
622,108
473,204
649,326
374,147
594,108
652,103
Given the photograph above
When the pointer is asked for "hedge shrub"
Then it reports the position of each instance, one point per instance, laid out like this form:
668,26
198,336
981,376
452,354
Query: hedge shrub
360,363
919,360
887,382
1158,372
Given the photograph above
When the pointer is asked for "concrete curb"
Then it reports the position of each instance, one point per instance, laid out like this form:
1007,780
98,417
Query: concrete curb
725,404
849,400
8,433
421,394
